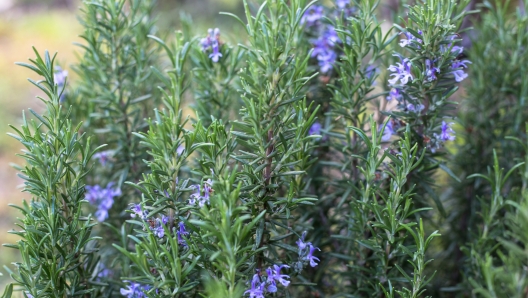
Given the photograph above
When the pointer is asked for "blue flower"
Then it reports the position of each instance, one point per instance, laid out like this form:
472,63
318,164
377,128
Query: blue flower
59,77
315,129
341,4
310,257
402,72
326,61
430,70
158,230
103,198
257,288
387,132
137,211
301,244
212,41
103,156
415,108
394,94
312,16
215,55
447,133
180,150
182,232
275,275
410,39
457,67
454,49
135,290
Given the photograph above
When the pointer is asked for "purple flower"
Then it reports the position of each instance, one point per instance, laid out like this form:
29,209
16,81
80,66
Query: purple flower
195,196
394,94
275,275
326,61
164,219
136,209
180,150
457,67
387,132
341,4
215,55
135,290
415,108
312,16
402,72
447,132
410,38
315,129
212,41
103,198
430,70
103,272
454,49
257,288
103,156
182,232
301,244
310,257
59,76
158,230
330,35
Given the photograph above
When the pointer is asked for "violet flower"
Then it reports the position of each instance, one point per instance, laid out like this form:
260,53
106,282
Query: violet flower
447,133
326,61
341,4
315,129
59,77
312,16
387,132
275,275
137,211
310,257
394,94
103,198
257,288
457,67
430,70
301,244
215,55
103,156
182,232
180,150
410,38
415,108
135,290
402,72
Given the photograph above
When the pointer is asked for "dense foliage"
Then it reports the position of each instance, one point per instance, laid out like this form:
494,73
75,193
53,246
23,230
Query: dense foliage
321,160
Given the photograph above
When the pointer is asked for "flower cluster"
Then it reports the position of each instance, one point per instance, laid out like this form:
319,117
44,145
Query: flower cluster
212,42
102,198
197,197
135,290
326,41
59,77
306,251
261,285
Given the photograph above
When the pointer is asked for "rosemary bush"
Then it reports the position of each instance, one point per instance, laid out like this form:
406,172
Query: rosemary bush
316,163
